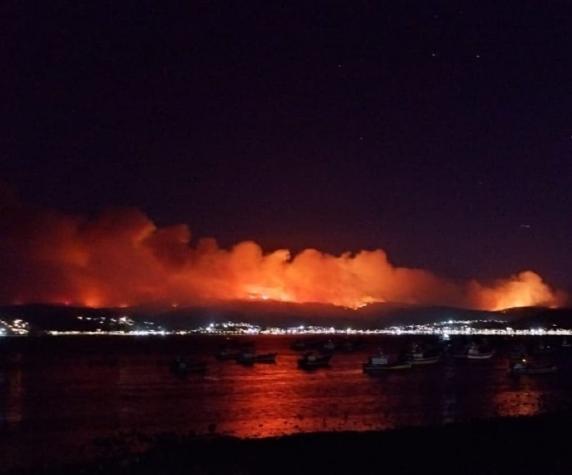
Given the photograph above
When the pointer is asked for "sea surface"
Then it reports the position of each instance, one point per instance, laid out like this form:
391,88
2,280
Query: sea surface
60,396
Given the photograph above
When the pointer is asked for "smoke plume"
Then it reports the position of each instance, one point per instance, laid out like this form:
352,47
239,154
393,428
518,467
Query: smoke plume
121,257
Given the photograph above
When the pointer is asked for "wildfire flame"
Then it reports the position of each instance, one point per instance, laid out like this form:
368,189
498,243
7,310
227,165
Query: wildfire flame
122,258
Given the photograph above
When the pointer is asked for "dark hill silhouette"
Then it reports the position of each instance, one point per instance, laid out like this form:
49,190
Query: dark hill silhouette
52,317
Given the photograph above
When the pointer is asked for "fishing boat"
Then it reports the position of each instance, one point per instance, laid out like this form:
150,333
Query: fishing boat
227,353
418,356
250,358
382,362
543,349
525,367
424,359
183,367
305,344
299,345
476,352
313,360
329,346
349,346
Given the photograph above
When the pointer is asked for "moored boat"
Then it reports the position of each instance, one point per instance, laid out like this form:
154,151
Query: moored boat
183,367
329,345
382,362
250,358
543,348
232,350
476,352
314,360
424,359
418,356
525,367
480,355
324,346
299,345
305,344
349,346
227,353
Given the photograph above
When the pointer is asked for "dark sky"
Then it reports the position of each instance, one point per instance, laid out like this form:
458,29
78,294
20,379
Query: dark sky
439,131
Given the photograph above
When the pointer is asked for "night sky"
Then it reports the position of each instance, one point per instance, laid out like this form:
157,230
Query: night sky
438,131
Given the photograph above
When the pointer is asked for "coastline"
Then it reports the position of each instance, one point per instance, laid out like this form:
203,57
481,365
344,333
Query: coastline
506,445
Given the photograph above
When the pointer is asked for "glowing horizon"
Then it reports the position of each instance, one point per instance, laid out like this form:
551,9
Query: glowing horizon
121,258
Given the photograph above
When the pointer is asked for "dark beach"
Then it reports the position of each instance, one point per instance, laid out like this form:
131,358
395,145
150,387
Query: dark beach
510,445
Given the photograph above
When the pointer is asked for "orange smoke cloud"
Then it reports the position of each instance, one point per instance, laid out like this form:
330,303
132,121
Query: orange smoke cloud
121,258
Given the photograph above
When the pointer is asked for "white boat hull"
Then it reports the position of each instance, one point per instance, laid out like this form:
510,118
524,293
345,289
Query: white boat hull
535,371
482,356
382,368
424,361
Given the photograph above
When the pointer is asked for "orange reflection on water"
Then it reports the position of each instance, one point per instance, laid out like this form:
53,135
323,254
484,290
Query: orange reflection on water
518,403
275,400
